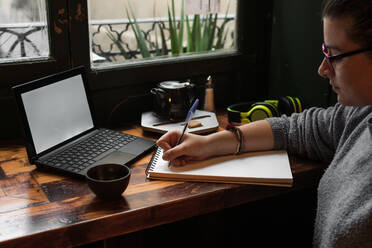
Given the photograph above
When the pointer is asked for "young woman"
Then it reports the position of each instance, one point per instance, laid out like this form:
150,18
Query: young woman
340,135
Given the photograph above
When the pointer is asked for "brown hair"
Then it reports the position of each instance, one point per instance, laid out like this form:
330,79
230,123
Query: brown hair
359,11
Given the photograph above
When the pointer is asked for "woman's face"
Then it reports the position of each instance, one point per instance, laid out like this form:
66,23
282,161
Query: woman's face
350,77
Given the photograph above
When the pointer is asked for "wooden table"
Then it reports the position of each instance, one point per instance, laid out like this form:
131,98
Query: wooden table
39,208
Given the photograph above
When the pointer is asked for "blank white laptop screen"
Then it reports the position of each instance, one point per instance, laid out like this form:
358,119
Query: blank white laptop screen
57,112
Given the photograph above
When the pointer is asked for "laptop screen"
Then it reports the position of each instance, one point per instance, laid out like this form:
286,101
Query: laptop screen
57,112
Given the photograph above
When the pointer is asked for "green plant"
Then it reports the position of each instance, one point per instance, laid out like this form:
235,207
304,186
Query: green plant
141,42
176,37
201,34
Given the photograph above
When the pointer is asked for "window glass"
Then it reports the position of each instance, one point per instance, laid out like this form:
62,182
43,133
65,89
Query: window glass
127,31
23,30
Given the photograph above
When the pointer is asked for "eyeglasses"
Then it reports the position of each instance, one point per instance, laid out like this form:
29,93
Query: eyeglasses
331,58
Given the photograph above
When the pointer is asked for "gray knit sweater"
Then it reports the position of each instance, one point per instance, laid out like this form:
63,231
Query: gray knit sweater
341,136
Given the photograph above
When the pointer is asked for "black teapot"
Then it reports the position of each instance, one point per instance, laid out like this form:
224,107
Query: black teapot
173,99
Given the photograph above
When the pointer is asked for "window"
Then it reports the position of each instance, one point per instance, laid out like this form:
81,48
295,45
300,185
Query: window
59,35
34,42
131,31
33,39
23,30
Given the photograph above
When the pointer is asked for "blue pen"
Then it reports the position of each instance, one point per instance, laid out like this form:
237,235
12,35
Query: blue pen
188,118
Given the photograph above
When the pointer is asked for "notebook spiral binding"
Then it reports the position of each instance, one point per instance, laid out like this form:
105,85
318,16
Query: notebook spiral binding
153,161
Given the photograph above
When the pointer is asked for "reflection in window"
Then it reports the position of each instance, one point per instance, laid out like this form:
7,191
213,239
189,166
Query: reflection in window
23,30
132,30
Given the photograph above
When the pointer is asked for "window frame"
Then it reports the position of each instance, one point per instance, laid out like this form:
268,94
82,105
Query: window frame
58,59
74,38
147,71
242,75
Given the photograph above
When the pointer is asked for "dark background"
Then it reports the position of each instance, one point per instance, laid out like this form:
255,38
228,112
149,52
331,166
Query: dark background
279,54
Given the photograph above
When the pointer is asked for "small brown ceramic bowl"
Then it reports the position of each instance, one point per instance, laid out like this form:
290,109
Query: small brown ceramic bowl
108,181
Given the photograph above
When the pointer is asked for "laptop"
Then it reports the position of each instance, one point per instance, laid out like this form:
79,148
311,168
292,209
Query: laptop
60,131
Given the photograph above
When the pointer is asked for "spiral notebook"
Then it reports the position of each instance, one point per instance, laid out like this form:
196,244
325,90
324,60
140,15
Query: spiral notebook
261,168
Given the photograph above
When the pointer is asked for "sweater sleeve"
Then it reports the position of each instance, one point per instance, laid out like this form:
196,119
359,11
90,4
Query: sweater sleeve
314,133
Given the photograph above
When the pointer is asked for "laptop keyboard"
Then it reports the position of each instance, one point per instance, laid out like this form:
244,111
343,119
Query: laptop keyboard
81,155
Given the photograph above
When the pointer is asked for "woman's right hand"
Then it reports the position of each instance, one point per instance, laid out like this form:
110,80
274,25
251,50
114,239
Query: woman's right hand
192,147
258,136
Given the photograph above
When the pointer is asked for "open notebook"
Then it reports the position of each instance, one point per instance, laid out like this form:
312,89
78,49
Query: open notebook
263,168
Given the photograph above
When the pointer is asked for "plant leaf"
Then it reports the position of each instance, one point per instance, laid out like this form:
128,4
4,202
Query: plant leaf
189,35
138,34
221,37
172,32
197,33
164,46
118,43
181,31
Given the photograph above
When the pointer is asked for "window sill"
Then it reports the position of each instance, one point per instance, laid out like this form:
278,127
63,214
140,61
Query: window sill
148,72
165,60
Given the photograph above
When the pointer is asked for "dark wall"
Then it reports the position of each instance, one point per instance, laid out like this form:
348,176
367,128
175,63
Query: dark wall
288,67
297,35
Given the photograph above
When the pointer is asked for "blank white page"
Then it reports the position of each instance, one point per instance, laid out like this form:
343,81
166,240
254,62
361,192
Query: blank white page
265,167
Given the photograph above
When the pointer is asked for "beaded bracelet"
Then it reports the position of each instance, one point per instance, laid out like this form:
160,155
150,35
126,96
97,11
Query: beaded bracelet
239,136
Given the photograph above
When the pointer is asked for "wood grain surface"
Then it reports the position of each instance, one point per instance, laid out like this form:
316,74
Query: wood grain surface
39,209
